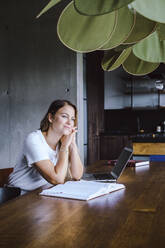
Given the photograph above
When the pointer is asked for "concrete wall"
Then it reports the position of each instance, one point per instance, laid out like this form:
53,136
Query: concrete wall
35,69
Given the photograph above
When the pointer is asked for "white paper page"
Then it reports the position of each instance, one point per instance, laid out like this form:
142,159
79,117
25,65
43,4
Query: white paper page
81,189
141,163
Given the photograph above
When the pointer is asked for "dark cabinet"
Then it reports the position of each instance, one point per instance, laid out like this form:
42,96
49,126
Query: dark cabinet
125,91
112,145
114,90
162,99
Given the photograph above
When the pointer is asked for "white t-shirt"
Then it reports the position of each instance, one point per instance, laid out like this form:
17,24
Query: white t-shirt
25,175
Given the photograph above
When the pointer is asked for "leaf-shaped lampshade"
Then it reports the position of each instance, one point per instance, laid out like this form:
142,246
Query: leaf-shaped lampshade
99,7
113,59
122,29
152,9
48,6
121,47
150,49
84,33
142,28
161,31
138,67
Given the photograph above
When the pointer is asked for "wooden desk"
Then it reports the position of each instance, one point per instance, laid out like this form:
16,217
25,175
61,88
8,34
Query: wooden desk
117,220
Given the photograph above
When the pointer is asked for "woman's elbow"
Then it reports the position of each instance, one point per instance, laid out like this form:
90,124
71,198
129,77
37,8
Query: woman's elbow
77,177
61,181
57,180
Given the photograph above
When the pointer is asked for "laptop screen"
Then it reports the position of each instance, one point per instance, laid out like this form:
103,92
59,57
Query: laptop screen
121,162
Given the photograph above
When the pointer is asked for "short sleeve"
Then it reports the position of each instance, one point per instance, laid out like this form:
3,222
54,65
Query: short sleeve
34,149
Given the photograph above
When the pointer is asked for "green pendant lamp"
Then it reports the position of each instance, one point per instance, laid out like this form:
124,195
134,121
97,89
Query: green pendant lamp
122,29
84,33
151,49
151,9
138,67
142,28
113,59
99,7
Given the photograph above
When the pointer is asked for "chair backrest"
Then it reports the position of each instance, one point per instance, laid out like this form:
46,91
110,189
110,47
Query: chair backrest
4,173
8,193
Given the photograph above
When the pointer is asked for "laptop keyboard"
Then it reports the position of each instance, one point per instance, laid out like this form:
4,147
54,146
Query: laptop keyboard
98,176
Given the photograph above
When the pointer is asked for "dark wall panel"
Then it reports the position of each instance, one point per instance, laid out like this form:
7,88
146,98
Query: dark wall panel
95,103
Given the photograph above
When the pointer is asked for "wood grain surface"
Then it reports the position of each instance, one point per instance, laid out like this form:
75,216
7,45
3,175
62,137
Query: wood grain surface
149,148
129,218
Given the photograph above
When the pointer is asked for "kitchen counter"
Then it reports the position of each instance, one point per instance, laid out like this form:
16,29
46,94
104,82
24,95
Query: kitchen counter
149,148
149,137
143,137
111,144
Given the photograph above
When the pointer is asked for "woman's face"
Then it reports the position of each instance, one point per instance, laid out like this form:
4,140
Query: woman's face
64,120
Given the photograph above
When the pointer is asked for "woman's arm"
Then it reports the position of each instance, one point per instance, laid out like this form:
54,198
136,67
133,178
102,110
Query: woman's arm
57,174
54,174
76,166
68,153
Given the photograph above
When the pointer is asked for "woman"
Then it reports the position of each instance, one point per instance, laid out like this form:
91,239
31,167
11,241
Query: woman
50,152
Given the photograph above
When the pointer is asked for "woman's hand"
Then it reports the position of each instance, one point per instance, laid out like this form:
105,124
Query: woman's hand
69,139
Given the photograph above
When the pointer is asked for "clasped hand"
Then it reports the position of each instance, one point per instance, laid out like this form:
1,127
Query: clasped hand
69,139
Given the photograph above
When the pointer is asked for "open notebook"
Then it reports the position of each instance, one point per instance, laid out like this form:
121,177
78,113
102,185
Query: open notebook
82,190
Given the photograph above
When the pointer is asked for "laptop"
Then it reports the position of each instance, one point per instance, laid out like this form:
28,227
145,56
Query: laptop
113,175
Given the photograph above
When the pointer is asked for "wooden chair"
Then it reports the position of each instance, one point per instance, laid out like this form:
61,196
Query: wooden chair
4,173
7,193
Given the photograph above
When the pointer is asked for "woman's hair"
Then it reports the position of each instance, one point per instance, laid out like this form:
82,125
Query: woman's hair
53,108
